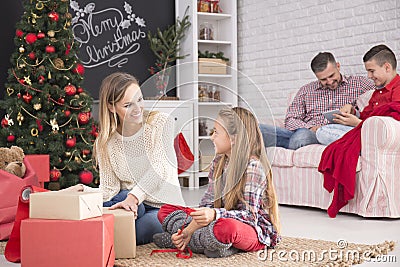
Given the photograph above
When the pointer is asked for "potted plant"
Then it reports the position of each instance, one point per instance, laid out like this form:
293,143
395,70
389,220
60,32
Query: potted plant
165,46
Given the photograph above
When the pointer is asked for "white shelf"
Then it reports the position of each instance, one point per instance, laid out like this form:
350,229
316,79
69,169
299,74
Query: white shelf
188,76
214,42
213,16
205,75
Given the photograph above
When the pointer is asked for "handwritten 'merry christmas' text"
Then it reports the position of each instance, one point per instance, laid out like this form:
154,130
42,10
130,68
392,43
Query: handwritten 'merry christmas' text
106,36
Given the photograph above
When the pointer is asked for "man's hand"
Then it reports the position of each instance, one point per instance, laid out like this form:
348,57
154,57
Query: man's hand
348,108
203,216
130,204
346,119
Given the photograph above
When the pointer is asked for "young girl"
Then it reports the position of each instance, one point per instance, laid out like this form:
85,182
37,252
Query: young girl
239,210
135,155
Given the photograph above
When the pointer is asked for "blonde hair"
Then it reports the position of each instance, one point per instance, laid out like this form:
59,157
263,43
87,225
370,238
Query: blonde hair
112,90
242,125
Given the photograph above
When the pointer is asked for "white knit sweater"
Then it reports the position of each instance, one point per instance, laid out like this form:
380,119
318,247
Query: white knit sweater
144,163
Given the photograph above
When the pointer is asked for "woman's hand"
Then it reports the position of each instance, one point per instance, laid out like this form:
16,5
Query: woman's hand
203,216
346,119
181,238
130,204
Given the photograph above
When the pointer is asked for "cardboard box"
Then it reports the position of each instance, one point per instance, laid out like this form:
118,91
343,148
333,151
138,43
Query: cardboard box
65,205
124,233
212,66
66,243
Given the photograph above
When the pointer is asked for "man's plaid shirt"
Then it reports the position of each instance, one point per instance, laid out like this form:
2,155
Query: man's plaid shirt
312,100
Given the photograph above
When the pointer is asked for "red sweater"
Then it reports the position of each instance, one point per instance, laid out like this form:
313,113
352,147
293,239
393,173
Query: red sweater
339,161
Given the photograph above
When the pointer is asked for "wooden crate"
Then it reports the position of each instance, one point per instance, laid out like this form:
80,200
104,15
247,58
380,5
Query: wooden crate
212,66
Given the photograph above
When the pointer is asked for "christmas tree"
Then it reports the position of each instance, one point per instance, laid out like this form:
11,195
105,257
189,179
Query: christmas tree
46,109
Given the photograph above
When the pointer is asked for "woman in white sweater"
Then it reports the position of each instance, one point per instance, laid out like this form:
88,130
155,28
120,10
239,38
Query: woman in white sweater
135,155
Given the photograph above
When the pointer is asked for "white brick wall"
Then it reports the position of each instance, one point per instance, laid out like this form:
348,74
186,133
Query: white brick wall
278,38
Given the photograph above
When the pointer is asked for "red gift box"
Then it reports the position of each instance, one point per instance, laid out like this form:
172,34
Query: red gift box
68,243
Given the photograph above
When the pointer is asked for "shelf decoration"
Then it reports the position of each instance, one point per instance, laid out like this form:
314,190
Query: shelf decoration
165,46
212,63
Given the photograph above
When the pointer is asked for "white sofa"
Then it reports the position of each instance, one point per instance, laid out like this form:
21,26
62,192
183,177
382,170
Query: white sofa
377,194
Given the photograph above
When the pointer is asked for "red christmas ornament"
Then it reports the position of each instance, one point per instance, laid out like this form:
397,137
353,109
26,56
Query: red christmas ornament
40,35
86,177
11,138
61,101
41,79
27,98
70,90
67,113
22,81
50,49
71,142
19,95
80,69
55,175
79,90
19,33
30,38
85,152
54,16
94,132
4,123
39,124
83,117
32,55
68,49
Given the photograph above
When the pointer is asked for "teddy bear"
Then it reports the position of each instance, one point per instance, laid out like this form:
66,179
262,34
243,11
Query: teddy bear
11,160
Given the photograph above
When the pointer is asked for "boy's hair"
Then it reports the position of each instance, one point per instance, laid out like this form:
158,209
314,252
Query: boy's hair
320,61
381,54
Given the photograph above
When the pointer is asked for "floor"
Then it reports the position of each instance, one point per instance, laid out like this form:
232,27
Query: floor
316,224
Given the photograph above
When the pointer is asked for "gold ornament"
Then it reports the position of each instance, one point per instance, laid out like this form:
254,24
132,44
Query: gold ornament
27,79
37,106
77,159
59,63
51,33
34,132
21,49
21,66
49,76
10,91
39,6
68,15
68,24
68,154
20,118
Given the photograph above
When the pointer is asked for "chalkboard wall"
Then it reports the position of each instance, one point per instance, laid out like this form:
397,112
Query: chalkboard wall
112,35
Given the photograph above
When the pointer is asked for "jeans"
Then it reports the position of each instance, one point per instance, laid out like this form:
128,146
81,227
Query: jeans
147,223
281,137
329,133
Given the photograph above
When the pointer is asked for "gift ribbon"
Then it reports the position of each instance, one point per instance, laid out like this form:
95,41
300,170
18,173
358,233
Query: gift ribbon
13,248
182,254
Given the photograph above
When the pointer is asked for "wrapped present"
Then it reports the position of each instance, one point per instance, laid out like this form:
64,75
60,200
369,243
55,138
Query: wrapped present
124,233
65,205
66,243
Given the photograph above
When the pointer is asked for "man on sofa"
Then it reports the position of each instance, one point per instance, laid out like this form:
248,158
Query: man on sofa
380,63
304,116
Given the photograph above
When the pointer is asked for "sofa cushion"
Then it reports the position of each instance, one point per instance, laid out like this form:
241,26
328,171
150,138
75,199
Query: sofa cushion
280,157
308,156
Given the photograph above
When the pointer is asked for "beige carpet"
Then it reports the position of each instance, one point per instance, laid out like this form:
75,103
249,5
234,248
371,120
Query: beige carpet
290,252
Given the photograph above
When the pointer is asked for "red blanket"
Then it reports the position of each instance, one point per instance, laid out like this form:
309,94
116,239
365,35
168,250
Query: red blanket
339,161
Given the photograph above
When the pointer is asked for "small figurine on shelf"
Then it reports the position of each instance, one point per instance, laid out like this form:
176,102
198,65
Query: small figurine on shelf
203,6
214,6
